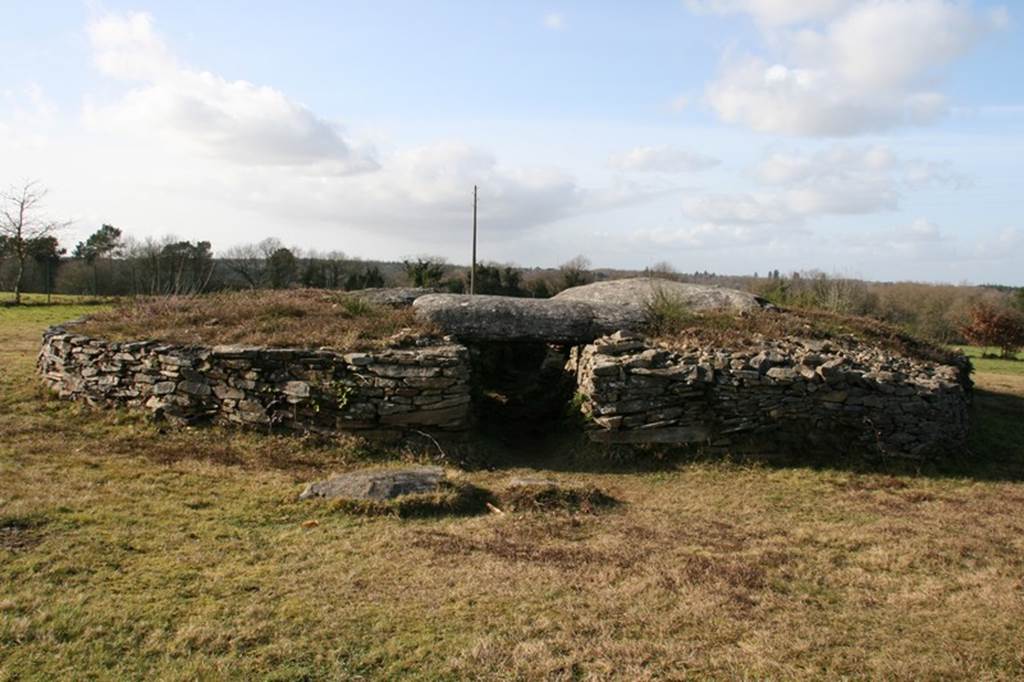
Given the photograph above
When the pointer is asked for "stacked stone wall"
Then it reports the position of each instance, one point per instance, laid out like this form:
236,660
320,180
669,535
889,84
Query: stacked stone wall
834,396
382,392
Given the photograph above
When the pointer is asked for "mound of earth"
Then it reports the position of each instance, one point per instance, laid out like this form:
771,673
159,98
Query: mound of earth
576,315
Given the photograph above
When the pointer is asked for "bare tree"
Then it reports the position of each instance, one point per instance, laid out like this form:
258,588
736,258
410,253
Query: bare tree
249,261
21,226
575,272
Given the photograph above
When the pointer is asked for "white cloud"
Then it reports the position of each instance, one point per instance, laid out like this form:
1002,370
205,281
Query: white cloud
554,21
231,120
679,103
920,236
27,117
1007,244
662,159
856,67
837,180
921,230
703,236
255,149
128,48
774,12
738,208
868,167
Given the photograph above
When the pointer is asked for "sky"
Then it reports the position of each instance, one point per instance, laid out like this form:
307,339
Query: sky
881,139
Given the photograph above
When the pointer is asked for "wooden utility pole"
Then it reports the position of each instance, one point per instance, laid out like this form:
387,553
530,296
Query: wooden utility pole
472,267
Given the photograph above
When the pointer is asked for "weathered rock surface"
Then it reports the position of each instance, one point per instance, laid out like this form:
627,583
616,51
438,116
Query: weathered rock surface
577,315
637,292
377,484
393,296
503,318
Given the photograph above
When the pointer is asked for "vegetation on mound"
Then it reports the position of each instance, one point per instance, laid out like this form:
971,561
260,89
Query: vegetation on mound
547,497
454,498
306,318
676,327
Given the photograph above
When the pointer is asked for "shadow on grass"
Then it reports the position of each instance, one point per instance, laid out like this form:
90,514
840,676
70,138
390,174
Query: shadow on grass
996,447
995,451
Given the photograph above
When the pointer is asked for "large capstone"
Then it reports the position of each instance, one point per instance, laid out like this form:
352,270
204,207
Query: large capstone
504,318
639,292
577,315
378,484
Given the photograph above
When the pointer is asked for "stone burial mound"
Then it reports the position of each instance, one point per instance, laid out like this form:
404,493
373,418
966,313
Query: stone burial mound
573,316
733,372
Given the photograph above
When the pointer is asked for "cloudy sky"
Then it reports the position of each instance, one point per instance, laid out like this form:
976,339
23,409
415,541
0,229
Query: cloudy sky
881,138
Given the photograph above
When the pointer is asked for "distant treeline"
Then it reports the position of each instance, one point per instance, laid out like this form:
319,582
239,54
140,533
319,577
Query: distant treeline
109,263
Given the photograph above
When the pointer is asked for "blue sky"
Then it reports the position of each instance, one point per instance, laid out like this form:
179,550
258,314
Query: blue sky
878,138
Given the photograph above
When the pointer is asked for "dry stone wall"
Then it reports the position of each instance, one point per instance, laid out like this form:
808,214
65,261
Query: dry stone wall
380,392
788,393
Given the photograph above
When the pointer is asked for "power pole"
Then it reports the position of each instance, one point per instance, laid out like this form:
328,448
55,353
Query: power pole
472,268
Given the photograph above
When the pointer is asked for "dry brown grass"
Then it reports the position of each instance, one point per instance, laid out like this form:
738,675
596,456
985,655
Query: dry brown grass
729,330
303,318
186,555
549,497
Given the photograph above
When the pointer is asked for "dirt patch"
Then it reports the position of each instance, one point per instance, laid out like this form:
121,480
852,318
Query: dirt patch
508,548
20,533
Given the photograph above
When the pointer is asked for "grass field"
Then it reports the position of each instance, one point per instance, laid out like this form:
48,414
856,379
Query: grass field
985,363
127,553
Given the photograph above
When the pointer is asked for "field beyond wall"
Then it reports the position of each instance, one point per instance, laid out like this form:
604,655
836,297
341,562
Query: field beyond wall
130,552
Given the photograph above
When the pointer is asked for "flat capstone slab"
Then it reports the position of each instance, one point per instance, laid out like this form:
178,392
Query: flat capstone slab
377,484
575,316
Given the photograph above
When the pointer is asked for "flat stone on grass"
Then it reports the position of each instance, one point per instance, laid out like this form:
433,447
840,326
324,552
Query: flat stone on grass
418,491
378,484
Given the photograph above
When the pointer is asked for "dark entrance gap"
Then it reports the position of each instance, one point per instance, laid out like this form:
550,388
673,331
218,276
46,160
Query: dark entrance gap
522,391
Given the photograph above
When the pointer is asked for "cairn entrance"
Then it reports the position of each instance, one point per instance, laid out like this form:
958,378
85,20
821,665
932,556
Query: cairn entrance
521,390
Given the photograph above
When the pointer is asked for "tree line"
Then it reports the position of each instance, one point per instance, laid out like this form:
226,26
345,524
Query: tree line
110,262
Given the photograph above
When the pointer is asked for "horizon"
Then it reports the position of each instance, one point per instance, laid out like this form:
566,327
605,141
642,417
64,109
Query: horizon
862,139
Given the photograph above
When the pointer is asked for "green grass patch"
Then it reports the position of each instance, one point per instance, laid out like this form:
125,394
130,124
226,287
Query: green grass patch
7,300
988,360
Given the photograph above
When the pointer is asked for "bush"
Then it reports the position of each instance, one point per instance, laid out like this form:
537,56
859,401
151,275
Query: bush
666,314
988,325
